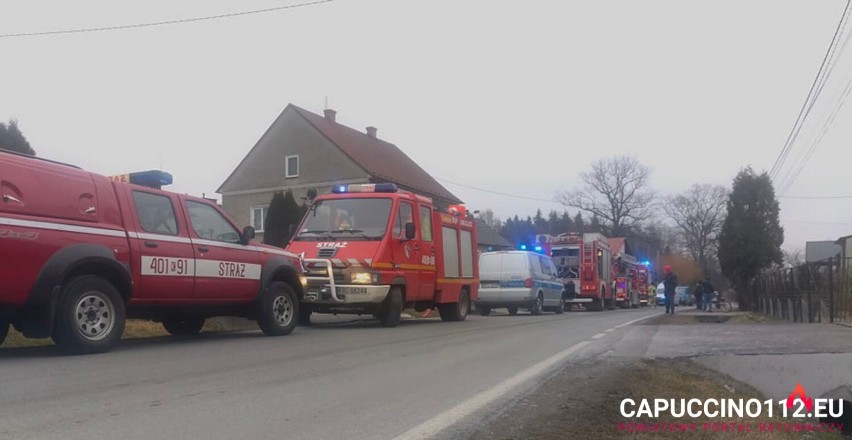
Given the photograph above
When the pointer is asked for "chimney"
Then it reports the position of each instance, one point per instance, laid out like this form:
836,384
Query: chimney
330,114
371,132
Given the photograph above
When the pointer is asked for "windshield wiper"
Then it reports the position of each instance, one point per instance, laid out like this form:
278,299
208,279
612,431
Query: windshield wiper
316,232
359,232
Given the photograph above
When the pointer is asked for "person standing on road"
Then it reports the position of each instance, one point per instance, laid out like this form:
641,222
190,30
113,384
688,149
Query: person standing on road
652,295
670,283
699,295
709,294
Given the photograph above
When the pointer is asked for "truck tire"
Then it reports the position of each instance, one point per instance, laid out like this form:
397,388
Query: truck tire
513,310
537,306
278,309
392,314
456,311
305,315
483,310
597,306
4,330
184,325
90,316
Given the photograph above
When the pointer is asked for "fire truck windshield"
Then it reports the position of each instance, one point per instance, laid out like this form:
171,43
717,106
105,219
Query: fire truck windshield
567,261
365,219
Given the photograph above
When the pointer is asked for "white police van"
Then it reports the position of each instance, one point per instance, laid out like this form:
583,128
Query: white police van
518,279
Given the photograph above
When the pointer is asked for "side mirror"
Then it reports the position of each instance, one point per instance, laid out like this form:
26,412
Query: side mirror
248,234
410,232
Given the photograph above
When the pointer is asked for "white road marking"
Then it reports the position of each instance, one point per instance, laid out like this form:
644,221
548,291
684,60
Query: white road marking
447,418
599,335
636,320
609,330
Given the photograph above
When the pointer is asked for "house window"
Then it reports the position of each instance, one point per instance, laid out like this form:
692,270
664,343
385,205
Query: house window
292,166
258,217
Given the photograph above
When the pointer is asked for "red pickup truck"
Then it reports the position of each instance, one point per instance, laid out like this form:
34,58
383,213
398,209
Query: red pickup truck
80,253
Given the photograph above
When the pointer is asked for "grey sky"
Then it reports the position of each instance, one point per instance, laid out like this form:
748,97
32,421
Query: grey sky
514,96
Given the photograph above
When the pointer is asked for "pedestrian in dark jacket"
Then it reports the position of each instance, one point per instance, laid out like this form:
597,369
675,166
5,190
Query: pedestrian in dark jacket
670,283
709,294
699,295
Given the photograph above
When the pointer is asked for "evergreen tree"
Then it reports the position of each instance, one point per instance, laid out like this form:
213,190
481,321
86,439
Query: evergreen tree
751,235
539,223
282,214
11,138
579,223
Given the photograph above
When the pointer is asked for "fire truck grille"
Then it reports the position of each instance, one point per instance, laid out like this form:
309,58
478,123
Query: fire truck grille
328,252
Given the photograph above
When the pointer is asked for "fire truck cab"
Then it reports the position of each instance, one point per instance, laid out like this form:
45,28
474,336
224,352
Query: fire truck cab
375,249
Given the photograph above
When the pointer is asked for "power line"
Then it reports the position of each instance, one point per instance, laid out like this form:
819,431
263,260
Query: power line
813,93
499,193
815,197
165,22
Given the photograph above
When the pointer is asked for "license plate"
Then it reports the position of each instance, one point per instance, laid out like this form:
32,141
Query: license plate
353,290
489,286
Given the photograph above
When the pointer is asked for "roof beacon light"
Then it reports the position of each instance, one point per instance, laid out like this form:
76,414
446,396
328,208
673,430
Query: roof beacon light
153,178
365,188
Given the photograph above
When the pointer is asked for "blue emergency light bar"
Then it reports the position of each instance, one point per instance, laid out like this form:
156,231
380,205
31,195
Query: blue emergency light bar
365,188
151,179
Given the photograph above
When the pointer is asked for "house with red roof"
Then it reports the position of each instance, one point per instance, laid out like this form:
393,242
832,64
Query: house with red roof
304,151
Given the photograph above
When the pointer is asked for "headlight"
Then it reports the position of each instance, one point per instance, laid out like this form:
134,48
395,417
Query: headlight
364,278
304,280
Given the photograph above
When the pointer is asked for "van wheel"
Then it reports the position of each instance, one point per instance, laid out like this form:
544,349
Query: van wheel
537,306
393,308
483,310
456,311
4,330
513,310
184,326
305,315
560,308
277,310
90,316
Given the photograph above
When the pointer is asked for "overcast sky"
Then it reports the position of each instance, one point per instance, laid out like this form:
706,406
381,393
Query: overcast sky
513,96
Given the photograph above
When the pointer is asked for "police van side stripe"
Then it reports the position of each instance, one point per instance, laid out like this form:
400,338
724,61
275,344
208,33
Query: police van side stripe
62,227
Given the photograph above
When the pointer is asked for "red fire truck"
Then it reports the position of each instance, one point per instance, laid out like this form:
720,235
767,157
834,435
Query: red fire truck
375,249
585,265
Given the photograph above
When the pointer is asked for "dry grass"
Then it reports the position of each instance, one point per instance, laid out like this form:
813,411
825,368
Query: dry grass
136,328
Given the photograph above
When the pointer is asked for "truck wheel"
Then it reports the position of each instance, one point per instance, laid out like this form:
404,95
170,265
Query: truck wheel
560,309
483,310
278,308
393,308
456,311
4,330
597,306
184,325
537,306
90,316
513,310
305,315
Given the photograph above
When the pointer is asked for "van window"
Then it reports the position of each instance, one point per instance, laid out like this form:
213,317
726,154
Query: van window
426,223
210,224
156,213
490,263
515,262
403,215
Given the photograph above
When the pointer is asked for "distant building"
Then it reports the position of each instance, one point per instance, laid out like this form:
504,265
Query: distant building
821,250
304,151
845,244
489,239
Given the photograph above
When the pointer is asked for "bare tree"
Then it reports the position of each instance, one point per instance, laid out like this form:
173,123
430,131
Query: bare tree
794,257
490,219
616,191
699,213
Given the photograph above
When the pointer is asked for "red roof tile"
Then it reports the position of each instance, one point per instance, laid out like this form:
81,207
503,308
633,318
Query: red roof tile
383,160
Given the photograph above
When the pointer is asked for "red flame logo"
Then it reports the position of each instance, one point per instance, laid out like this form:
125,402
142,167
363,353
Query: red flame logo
799,393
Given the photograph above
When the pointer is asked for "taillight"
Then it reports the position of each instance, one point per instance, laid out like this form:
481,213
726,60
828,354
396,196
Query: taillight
528,283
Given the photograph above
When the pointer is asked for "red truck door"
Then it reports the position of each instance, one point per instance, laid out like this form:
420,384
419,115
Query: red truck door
163,251
224,267
428,256
406,253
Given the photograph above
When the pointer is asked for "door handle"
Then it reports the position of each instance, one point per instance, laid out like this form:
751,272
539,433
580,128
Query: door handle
151,244
7,198
203,249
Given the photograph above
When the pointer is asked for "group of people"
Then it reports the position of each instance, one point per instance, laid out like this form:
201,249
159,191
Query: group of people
705,293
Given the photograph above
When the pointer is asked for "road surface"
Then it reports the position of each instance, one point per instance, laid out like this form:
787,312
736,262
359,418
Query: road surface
341,378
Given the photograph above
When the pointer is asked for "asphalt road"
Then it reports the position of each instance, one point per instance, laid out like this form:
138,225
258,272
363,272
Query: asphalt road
342,378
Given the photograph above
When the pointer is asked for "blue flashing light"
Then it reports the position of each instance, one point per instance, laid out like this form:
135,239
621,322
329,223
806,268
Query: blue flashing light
153,178
646,263
490,248
523,247
365,188
538,248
